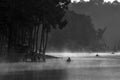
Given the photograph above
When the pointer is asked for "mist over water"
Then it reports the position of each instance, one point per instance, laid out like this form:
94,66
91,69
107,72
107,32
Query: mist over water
94,68
82,54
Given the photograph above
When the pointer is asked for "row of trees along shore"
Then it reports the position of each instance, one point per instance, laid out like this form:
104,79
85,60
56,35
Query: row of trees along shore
21,20
25,26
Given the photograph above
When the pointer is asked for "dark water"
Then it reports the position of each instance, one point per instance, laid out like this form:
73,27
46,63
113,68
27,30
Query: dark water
35,75
70,74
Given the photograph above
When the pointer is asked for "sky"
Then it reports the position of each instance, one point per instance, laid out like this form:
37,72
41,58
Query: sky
88,0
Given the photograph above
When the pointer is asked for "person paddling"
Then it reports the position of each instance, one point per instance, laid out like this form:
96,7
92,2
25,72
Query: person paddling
69,59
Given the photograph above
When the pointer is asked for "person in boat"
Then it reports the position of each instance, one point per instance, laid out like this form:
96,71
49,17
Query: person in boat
69,59
97,55
113,52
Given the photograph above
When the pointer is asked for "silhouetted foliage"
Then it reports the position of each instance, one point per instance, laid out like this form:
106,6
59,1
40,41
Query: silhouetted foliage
20,19
79,33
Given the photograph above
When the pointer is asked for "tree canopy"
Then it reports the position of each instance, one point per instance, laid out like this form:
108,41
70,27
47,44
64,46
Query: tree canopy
19,18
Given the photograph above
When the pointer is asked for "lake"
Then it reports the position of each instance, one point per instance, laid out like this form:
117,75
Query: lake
86,68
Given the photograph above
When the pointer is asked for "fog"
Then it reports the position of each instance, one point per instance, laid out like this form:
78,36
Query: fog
93,68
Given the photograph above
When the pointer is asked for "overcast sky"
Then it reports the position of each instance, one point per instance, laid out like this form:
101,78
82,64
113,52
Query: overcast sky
88,0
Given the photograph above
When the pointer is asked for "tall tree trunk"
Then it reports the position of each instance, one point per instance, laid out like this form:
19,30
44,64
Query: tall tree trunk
45,44
34,39
31,39
37,38
9,40
41,42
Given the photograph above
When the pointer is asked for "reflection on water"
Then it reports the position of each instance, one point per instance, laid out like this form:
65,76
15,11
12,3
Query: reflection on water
77,69
69,74
98,73
35,75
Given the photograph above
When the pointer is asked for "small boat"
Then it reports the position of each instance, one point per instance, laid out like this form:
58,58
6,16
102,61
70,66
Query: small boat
113,52
97,55
69,59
